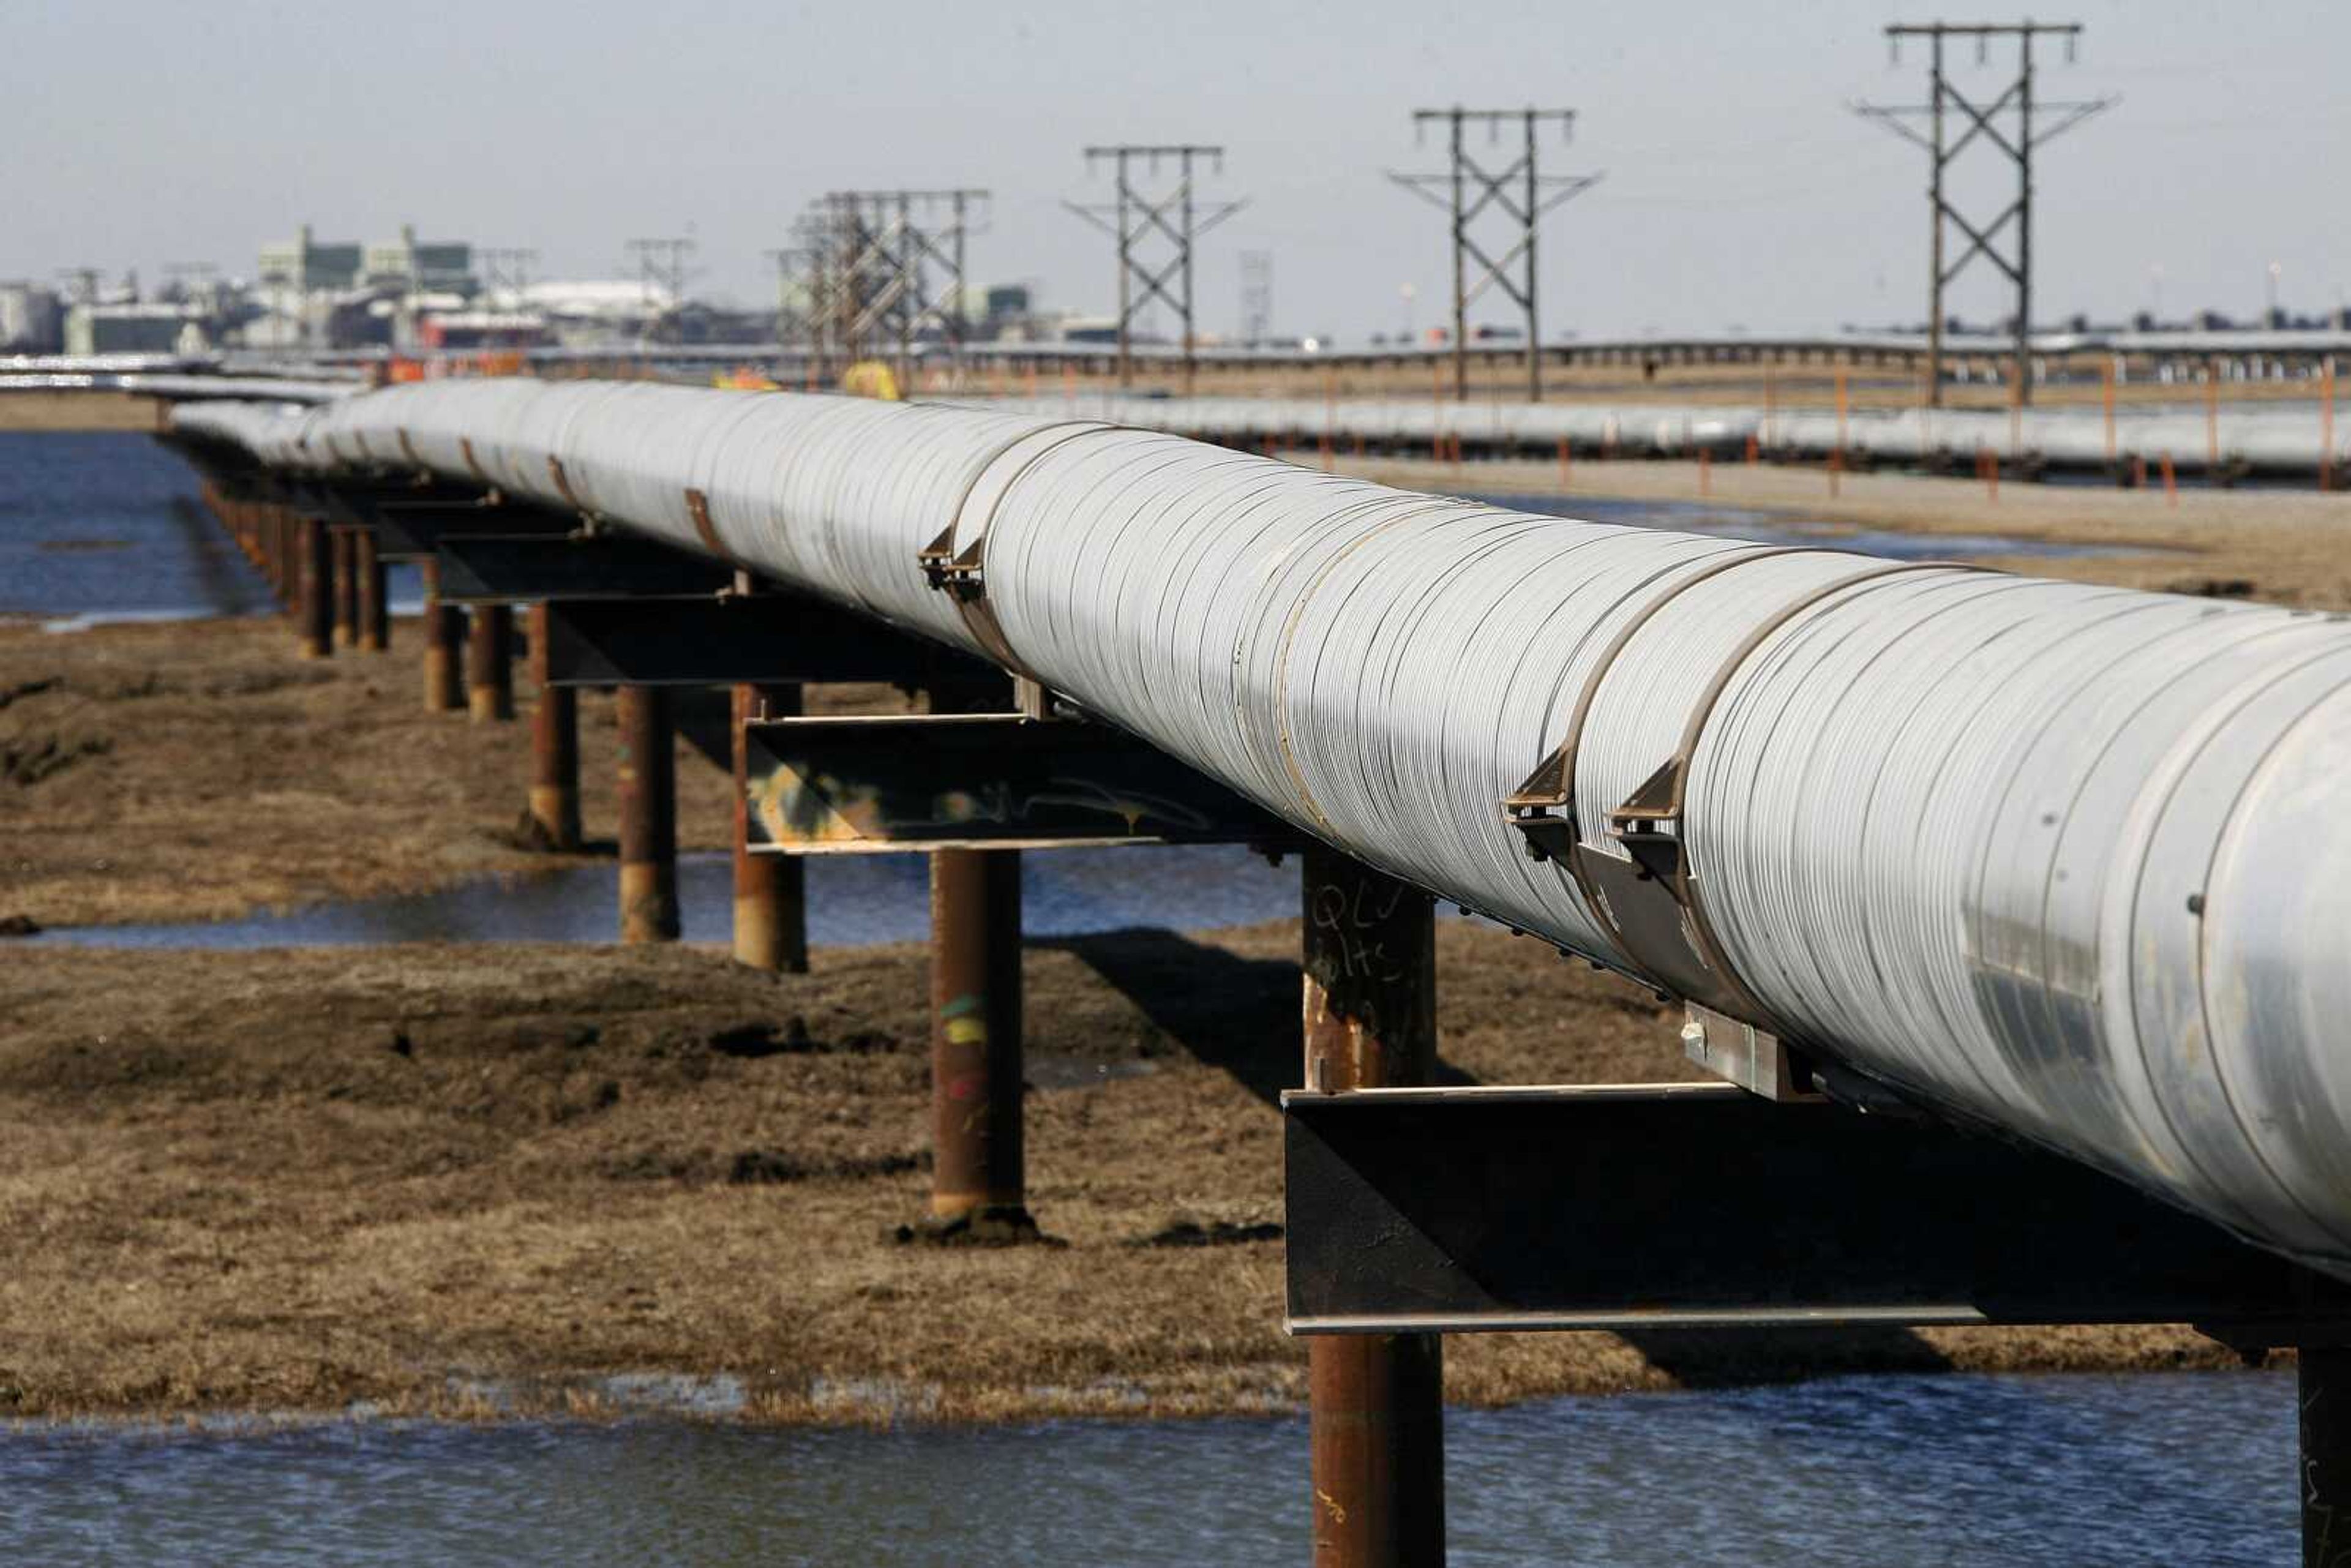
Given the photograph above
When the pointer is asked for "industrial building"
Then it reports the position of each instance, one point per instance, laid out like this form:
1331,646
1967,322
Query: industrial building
151,326
32,319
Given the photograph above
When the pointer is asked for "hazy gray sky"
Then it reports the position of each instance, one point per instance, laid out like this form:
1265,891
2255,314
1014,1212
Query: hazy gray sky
1740,191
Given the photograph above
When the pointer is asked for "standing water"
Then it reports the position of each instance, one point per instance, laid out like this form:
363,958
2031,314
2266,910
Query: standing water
99,526
1961,1470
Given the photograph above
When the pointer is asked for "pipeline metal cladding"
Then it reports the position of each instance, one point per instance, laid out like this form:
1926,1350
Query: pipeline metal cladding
2251,437
2058,857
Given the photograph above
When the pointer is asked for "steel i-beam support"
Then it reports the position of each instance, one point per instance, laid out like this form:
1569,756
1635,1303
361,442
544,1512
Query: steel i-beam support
648,815
554,747
977,1179
374,606
1375,1402
770,890
315,569
443,639
490,664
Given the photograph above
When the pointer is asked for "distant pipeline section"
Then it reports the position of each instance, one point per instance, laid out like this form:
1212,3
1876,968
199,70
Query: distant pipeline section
2240,441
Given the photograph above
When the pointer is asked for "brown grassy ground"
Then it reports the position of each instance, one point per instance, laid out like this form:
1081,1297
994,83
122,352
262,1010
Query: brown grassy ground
2282,547
291,1180
76,411
198,770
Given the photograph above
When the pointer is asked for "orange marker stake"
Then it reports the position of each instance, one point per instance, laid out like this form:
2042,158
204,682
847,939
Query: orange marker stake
2326,424
1562,462
2107,396
2212,418
2170,483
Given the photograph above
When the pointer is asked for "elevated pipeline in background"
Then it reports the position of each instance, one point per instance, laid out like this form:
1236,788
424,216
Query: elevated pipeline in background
2062,859
2239,438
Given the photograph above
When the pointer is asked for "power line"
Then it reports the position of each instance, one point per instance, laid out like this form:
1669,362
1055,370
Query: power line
1136,216
1983,123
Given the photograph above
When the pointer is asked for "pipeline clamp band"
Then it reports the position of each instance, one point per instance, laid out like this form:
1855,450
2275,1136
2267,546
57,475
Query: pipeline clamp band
1647,899
960,573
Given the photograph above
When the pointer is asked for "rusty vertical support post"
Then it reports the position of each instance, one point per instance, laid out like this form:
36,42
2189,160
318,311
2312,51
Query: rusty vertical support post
978,1181
554,748
444,638
289,560
347,589
1375,1402
2324,1487
648,815
490,664
274,553
770,890
315,616
374,603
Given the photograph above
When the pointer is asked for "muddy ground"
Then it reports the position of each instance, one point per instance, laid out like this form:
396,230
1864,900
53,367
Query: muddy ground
198,770
2277,545
299,1179
295,1180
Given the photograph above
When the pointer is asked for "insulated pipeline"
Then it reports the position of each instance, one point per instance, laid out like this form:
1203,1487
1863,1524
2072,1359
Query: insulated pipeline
2257,437
2060,858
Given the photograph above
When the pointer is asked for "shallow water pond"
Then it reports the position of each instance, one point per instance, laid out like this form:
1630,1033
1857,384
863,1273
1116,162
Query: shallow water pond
1963,1470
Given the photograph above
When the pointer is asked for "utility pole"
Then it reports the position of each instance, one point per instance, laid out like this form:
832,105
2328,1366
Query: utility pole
662,264
507,267
1981,121
1257,296
1520,192
1136,213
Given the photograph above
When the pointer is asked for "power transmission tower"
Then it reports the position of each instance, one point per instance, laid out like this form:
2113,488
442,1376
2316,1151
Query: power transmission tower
664,264
898,257
507,267
1981,121
1134,216
1535,194
806,268
1257,296
794,264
